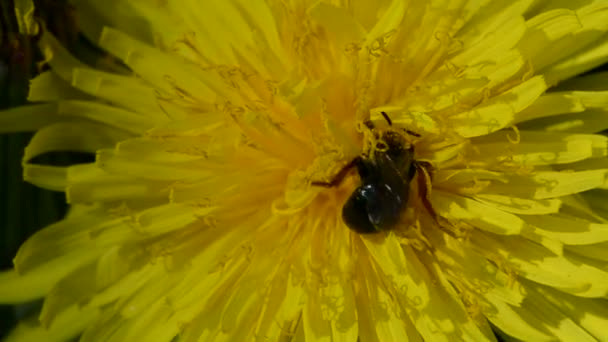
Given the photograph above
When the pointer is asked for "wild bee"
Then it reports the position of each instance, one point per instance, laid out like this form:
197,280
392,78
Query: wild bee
386,171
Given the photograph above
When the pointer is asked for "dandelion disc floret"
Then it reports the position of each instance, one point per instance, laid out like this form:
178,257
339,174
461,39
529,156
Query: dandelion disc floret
201,217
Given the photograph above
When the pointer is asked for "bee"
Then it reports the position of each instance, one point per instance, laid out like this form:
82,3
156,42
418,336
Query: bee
386,171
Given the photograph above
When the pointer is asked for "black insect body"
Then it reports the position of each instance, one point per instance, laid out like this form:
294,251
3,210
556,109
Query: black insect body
386,172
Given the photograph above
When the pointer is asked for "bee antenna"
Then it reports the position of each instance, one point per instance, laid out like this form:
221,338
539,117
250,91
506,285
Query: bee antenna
390,123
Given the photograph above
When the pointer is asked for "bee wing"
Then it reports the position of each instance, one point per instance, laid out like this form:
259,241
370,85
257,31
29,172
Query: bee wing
396,173
385,210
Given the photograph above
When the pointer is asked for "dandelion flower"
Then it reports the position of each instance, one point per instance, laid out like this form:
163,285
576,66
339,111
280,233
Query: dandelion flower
199,218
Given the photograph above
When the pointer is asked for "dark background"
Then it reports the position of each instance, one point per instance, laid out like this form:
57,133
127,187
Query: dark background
24,209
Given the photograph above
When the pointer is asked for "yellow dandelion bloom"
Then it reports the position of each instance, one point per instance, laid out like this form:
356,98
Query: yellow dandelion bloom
204,217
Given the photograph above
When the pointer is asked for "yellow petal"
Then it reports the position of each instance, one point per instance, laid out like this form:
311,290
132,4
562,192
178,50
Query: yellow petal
518,205
112,116
589,314
478,214
36,283
315,327
114,162
592,57
67,326
422,302
467,266
551,104
586,104
499,111
60,60
28,118
482,46
129,17
284,296
152,324
553,319
58,243
549,184
123,285
368,12
589,42
339,23
596,251
74,289
517,321
72,136
48,86
566,272
556,33
491,16
539,148
167,150
569,230
185,78
87,183
125,91
379,317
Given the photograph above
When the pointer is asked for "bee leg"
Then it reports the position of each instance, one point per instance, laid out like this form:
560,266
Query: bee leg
339,177
412,133
427,166
387,118
424,187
